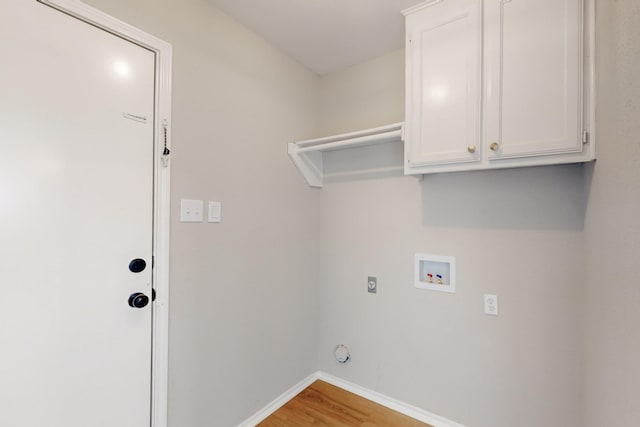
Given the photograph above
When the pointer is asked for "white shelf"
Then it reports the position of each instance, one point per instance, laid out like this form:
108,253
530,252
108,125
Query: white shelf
307,154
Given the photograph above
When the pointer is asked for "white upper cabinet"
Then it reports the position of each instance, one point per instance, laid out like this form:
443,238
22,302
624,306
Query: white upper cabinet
444,78
496,83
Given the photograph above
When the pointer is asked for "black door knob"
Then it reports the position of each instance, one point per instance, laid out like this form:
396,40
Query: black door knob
138,300
137,265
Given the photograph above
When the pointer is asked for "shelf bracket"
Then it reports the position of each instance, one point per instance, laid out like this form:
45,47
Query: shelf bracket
309,164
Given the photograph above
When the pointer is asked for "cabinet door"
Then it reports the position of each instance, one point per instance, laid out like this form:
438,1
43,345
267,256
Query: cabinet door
444,57
534,77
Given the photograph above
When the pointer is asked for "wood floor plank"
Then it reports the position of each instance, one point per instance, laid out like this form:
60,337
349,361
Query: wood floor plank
322,404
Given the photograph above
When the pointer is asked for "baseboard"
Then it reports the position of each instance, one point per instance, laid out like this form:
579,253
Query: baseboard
386,401
279,402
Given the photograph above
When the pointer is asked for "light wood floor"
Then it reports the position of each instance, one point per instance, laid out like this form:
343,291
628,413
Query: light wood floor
322,404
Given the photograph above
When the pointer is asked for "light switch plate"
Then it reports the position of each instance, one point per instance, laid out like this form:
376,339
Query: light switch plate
191,210
215,212
491,304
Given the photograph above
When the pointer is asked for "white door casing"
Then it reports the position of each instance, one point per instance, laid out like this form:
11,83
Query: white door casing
77,203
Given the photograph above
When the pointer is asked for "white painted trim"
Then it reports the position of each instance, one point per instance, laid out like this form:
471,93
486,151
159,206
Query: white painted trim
381,399
163,54
279,401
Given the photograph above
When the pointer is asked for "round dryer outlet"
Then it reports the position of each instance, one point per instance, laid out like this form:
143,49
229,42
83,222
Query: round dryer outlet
342,353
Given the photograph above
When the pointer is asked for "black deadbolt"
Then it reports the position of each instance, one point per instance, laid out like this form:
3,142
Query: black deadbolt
138,300
137,265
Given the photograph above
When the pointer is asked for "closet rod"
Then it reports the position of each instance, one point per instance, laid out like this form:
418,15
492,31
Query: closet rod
354,142
350,135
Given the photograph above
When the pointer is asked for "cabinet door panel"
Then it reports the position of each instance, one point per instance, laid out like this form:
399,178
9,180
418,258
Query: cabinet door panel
534,77
444,83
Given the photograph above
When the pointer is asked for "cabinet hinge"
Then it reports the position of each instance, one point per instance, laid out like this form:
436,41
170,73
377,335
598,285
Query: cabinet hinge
585,137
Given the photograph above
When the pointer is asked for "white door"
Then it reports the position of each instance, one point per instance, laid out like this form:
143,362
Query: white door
534,69
444,79
76,194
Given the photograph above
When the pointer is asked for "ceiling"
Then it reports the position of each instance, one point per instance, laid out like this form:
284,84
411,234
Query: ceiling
324,35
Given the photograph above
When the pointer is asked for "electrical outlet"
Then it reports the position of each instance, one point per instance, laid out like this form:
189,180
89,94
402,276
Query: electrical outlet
491,304
372,284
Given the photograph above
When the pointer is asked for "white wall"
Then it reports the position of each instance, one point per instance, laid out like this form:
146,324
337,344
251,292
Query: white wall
243,312
515,233
612,227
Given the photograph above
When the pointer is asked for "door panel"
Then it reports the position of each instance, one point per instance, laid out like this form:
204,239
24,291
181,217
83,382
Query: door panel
76,190
534,84
444,61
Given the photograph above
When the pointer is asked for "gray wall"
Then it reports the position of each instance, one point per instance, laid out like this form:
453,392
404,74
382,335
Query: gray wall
516,233
612,229
242,316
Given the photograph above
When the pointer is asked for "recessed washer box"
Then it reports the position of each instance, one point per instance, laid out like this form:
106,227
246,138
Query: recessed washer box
435,273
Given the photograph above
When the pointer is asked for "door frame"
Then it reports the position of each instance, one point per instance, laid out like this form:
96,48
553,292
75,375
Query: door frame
161,187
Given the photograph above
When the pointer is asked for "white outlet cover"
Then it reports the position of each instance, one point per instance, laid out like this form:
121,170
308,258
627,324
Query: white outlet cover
491,304
191,210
